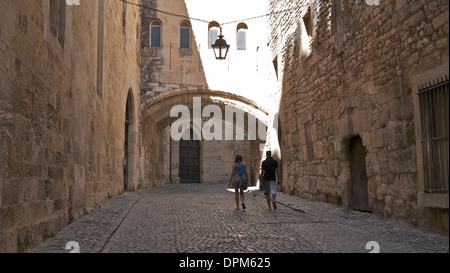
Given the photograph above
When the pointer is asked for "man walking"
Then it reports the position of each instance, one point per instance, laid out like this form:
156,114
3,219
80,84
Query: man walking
269,168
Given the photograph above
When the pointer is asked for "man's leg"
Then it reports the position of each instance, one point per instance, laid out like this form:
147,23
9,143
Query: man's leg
267,192
273,191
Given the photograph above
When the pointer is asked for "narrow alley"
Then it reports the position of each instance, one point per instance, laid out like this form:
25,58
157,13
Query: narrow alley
112,110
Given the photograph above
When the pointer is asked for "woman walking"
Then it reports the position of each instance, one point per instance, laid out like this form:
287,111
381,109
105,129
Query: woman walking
238,180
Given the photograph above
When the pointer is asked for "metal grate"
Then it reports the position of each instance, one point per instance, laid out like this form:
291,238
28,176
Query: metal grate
434,117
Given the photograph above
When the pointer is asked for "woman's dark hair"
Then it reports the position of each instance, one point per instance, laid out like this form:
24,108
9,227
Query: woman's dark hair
238,158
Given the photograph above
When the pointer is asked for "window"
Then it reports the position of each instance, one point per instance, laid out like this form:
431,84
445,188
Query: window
124,17
305,33
58,19
213,33
338,26
434,104
100,46
431,115
241,37
155,34
185,35
307,20
275,65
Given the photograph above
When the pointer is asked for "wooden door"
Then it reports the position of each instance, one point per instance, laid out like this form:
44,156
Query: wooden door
189,171
359,192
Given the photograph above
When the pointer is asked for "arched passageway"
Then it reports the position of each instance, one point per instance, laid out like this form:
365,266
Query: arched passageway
221,125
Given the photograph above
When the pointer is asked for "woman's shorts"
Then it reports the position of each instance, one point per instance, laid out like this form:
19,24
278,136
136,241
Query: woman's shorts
270,187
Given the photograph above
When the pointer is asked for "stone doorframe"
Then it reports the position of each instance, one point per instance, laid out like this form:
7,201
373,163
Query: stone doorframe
132,153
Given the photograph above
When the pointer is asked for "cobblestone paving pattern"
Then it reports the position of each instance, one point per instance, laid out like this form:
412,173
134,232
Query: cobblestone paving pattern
201,218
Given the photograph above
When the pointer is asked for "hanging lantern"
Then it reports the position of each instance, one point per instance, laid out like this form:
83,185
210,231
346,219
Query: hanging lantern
220,47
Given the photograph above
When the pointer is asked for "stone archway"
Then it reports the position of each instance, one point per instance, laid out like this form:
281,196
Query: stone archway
161,151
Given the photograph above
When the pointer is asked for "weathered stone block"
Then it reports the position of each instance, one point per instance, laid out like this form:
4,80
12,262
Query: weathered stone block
416,19
318,150
377,138
8,19
400,4
389,91
359,122
340,150
5,90
22,101
340,127
367,139
440,20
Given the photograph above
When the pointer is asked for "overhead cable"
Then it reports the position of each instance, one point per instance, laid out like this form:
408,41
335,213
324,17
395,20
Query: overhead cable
202,20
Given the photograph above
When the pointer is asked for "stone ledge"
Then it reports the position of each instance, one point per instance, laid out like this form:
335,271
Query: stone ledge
433,200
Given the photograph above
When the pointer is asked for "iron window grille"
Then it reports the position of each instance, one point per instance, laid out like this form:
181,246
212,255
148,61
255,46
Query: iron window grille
434,117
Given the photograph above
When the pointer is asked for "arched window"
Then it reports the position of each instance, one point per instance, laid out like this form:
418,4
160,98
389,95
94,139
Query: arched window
155,33
185,35
213,29
241,36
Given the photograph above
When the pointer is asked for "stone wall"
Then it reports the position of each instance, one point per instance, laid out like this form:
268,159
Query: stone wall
61,133
345,70
168,67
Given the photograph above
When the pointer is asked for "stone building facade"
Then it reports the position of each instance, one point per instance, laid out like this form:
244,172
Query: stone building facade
349,114
69,80
178,68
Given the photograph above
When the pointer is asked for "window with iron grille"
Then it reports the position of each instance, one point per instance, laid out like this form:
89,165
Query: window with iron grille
434,118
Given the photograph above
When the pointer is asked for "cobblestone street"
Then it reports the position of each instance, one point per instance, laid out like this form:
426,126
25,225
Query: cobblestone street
201,218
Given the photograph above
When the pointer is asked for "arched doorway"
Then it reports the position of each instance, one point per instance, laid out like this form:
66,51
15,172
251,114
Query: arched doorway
189,161
129,145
